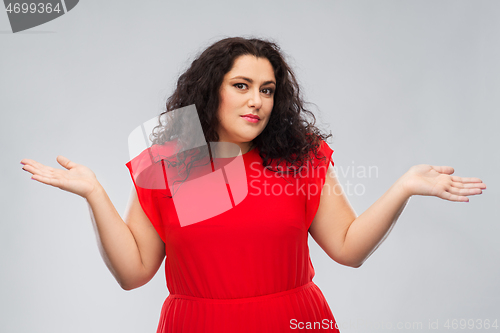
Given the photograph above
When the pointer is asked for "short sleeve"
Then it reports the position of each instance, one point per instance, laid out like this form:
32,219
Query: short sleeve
148,181
316,179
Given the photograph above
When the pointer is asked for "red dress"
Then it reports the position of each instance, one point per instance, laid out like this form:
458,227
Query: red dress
248,268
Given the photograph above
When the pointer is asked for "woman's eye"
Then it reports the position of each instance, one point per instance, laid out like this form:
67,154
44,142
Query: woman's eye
240,85
268,91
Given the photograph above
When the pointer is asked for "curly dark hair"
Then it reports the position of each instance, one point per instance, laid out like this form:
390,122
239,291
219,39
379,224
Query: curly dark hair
288,137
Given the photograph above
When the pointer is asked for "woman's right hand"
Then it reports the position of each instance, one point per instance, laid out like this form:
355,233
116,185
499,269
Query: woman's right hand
76,179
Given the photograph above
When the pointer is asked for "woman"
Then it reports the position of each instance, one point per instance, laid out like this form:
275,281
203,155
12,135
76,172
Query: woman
245,267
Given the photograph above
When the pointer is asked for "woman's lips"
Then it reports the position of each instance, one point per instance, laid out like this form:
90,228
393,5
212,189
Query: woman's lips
251,119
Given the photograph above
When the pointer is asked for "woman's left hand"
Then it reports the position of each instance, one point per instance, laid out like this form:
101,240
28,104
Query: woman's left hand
431,180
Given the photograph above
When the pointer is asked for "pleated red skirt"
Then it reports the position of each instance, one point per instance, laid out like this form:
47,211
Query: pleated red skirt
302,308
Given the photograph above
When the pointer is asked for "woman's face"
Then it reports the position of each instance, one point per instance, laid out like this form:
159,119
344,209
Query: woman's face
247,89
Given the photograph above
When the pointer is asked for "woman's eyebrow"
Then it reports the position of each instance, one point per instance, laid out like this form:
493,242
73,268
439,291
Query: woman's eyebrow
249,80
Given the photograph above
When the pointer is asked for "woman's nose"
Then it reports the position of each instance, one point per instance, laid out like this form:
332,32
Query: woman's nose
255,100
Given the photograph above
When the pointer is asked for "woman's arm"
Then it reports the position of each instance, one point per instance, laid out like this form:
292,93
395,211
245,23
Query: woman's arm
132,249
350,239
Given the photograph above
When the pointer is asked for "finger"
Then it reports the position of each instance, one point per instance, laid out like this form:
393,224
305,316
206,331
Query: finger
28,168
31,169
468,185
466,179
47,180
65,162
27,161
40,169
465,191
443,169
46,172
453,197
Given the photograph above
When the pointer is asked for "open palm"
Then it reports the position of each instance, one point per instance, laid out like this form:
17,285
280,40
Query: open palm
430,180
76,178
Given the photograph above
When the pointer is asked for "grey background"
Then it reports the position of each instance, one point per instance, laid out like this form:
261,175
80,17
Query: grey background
398,83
